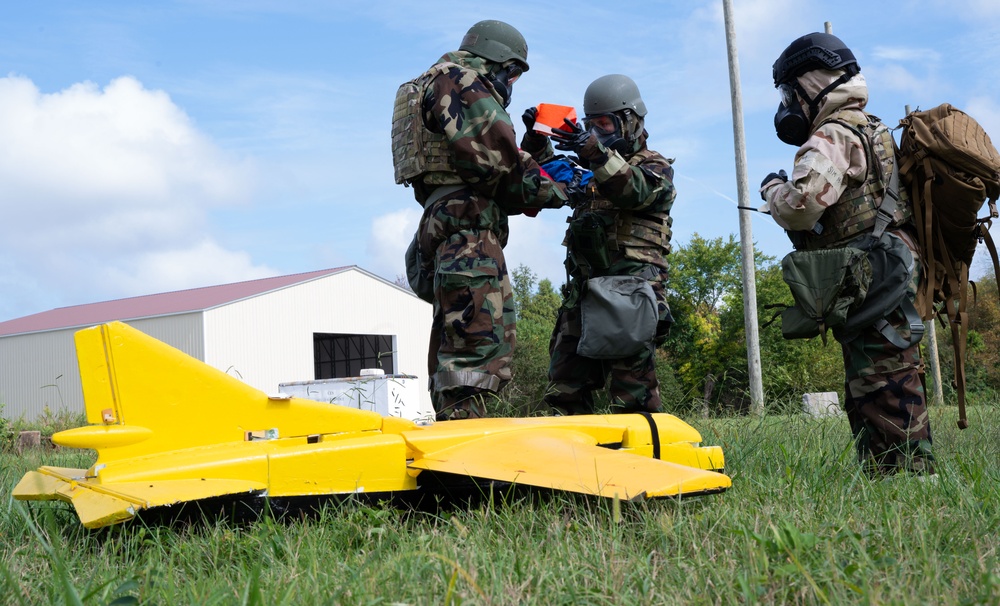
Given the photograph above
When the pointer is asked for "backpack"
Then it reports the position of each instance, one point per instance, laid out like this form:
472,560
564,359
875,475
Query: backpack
950,168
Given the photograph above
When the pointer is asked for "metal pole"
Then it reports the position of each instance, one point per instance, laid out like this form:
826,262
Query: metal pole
933,359
937,393
746,234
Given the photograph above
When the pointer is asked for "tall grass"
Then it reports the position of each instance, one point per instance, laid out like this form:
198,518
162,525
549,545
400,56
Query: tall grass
800,525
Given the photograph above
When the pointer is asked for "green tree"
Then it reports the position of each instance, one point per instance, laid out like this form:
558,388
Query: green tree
982,348
537,307
708,347
704,271
791,368
701,274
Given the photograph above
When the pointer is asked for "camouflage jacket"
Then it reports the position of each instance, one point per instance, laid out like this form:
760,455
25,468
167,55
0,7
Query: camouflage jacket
632,197
497,179
832,170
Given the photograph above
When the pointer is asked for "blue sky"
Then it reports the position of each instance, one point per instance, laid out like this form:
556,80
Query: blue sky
156,146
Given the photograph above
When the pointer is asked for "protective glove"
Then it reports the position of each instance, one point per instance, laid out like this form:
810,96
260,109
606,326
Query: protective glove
573,140
576,189
533,142
781,175
528,117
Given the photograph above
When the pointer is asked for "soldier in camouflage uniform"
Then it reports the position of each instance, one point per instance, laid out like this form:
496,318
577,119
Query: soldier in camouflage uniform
620,226
832,199
453,142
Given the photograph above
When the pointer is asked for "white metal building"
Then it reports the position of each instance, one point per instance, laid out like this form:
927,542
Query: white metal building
316,325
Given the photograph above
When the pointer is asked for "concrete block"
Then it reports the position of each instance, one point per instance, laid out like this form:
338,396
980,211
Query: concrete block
821,404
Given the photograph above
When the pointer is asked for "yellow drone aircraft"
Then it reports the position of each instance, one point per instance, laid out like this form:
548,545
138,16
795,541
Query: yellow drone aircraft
169,430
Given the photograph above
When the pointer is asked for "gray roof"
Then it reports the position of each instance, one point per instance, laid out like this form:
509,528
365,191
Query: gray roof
181,301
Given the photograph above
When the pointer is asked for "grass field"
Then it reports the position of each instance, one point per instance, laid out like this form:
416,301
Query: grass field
800,525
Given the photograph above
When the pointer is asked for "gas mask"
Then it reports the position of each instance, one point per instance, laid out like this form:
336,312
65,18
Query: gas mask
503,81
609,130
790,122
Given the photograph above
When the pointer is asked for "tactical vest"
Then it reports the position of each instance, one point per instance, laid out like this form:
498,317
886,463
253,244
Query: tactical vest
855,213
416,150
641,235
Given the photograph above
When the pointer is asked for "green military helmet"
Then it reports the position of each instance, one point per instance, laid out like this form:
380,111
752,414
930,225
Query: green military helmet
613,93
496,41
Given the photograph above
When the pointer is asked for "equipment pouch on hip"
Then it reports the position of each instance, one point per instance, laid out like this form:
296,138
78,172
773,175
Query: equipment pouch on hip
892,267
617,317
589,240
421,280
827,286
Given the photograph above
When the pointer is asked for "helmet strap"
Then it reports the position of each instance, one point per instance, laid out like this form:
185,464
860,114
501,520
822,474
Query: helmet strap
814,102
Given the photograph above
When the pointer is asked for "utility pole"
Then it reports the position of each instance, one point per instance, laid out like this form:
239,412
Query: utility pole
746,232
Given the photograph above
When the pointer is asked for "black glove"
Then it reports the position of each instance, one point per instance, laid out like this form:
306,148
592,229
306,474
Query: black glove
577,194
528,117
572,141
781,174
533,142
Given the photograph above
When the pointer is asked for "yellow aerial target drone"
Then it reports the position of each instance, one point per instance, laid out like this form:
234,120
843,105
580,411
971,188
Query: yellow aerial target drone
169,430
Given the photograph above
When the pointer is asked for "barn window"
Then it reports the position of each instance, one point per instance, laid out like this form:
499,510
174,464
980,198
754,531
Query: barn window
337,356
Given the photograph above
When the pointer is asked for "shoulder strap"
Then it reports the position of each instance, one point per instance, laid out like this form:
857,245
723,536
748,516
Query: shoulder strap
890,196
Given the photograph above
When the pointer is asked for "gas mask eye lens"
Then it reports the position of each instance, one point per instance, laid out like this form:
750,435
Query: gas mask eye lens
509,73
787,94
603,124
513,73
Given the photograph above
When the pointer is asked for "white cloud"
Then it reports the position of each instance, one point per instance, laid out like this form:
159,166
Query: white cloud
106,193
202,263
536,243
898,79
986,111
906,54
390,236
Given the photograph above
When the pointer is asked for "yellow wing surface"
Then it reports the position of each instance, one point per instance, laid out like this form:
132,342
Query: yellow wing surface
169,429
570,460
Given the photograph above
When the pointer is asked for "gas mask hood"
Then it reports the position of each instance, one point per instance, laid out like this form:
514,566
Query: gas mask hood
790,122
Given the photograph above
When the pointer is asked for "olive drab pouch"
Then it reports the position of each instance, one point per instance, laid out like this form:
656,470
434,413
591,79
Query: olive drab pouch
827,285
617,317
892,266
407,133
589,241
421,280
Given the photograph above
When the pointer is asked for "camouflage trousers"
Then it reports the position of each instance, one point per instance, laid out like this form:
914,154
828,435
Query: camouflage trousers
885,399
573,378
473,333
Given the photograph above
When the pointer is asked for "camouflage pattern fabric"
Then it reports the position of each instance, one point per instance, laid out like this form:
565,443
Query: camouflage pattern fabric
473,336
623,188
884,391
827,163
464,232
633,384
885,398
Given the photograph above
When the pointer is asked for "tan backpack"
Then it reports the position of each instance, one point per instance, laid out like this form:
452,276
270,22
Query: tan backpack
950,168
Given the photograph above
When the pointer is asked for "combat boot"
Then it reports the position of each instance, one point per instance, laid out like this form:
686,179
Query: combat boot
462,403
